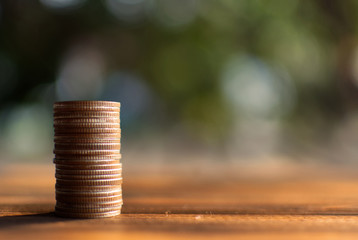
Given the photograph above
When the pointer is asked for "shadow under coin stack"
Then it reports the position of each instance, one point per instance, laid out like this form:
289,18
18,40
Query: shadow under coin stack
87,158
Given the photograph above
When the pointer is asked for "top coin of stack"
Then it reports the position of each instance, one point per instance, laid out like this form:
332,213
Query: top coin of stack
87,157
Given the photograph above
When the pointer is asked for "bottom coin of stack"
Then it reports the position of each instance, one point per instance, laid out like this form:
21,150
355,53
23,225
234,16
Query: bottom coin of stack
90,190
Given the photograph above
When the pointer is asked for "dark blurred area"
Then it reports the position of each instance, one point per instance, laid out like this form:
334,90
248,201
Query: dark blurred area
232,81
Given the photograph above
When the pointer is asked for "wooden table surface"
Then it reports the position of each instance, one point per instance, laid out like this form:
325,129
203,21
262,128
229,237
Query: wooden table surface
190,204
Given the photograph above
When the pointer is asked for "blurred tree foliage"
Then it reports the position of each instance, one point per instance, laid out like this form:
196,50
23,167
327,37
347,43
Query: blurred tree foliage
313,41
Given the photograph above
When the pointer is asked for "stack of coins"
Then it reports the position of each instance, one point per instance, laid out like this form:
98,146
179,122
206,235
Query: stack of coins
87,157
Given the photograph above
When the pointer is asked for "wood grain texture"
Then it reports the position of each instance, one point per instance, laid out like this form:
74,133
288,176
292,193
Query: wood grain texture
178,204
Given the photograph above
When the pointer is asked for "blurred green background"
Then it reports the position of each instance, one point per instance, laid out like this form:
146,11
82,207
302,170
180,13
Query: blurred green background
230,80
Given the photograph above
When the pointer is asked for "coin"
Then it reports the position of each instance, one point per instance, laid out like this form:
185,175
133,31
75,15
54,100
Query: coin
107,157
91,163
88,189
111,200
87,194
100,166
81,163
87,177
76,130
86,140
88,172
90,200
59,122
114,201
87,146
94,206
88,209
93,213
87,109
85,115
106,193
100,188
86,103
97,182
85,152
60,126
87,215
89,136
86,120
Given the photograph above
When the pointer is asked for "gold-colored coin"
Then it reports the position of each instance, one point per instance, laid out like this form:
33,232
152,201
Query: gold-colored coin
65,121
85,209
76,130
90,200
88,177
85,152
90,205
80,163
68,140
90,167
86,164
100,188
89,136
65,104
85,115
60,126
87,109
87,215
87,146
106,193
86,106
89,172
108,157
96,182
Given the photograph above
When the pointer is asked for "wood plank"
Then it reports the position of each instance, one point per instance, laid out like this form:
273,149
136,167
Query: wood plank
179,205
